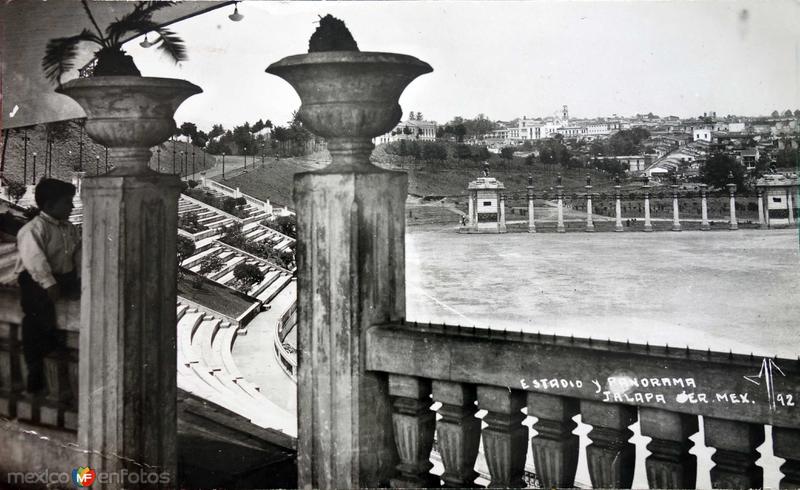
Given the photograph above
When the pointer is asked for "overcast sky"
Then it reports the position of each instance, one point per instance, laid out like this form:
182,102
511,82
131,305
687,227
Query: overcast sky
508,59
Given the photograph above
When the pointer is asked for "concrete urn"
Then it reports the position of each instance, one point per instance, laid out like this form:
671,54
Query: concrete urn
349,97
129,114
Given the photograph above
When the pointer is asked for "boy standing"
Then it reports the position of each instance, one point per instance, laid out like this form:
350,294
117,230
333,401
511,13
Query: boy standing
49,261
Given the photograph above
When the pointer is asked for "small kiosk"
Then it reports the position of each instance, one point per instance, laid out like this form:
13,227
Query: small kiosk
487,212
777,200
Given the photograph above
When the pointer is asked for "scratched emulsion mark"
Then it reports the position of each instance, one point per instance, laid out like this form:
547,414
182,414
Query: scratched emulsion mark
768,377
449,308
13,111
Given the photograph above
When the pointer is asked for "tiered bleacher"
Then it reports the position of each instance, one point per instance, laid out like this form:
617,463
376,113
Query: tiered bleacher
208,329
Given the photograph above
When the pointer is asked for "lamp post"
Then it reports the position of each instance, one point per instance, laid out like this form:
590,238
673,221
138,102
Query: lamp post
223,165
106,159
245,159
25,157
182,165
173,156
80,150
34,168
158,159
262,154
97,165
193,167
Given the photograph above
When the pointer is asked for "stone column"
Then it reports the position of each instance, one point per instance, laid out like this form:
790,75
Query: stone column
618,209
128,385
589,223
471,210
676,221
501,216
760,198
351,264
647,225
203,184
790,204
531,220
560,196
704,226
733,225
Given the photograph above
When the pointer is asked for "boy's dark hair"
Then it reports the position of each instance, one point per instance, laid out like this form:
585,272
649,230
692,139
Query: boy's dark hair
49,190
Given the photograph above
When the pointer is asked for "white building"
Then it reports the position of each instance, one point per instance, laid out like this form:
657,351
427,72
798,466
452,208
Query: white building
410,130
702,133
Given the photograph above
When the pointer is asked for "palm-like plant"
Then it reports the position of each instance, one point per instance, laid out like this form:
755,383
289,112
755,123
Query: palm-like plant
111,59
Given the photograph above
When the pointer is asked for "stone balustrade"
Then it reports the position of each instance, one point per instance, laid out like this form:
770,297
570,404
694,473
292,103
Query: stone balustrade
59,407
610,384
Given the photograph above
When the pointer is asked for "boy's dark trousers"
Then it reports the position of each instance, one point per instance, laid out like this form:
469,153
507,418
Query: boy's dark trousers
39,335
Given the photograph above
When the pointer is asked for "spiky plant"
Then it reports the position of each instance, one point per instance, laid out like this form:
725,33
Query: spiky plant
111,59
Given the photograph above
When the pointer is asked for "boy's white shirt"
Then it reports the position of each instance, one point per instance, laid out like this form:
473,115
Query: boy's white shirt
48,246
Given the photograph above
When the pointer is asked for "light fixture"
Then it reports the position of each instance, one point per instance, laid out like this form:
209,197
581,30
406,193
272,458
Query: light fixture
145,43
236,16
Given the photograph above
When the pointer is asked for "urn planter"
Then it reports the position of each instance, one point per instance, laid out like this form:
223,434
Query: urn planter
129,114
349,97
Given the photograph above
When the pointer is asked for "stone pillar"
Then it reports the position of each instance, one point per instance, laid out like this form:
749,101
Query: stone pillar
351,264
471,210
501,216
203,184
647,225
761,221
733,225
560,196
790,204
589,223
618,209
676,221
128,386
77,181
704,226
237,193
531,220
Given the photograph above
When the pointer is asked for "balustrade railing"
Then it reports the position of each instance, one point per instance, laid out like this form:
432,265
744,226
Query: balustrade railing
610,384
59,406
286,354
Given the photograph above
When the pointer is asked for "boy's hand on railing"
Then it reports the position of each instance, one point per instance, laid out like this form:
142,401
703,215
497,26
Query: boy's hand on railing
54,292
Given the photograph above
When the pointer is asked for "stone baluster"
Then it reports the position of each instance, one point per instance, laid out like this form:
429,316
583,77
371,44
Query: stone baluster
733,225
704,225
414,424
786,445
648,226
128,389
618,208
555,447
350,263
610,456
790,204
531,220
589,222
57,386
458,432
762,223
560,197
735,459
505,439
676,221
669,465
501,215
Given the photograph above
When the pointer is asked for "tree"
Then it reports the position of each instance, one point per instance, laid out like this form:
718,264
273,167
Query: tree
406,130
507,152
775,114
216,130
459,130
189,129
185,248
247,275
797,113
788,113
716,169
16,190
462,152
210,264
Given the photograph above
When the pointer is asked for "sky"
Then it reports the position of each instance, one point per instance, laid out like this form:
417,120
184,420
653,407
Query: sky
507,59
